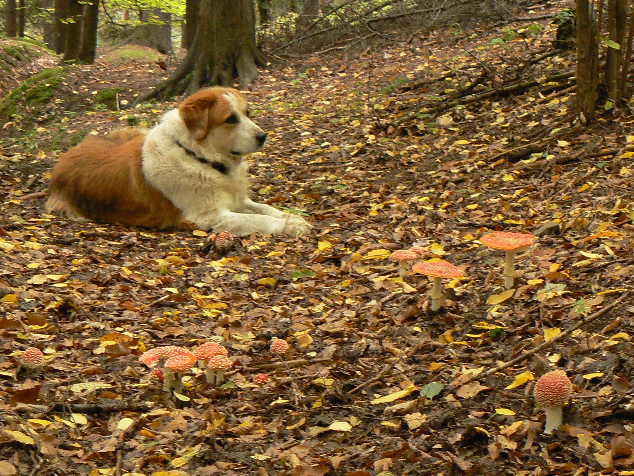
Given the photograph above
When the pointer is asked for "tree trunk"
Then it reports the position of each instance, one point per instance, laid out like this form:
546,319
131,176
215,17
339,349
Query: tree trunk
47,23
73,30
264,11
61,13
223,50
587,61
614,64
11,18
21,18
90,22
309,14
190,24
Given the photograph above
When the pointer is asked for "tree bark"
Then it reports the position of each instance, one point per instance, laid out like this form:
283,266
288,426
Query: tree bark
73,30
11,18
21,18
223,50
61,13
614,63
155,32
191,23
587,61
47,23
309,13
264,11
90,22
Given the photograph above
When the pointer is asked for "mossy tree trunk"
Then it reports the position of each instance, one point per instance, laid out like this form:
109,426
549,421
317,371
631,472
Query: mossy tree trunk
11,18
222,52
616,30
21,18
264,11
61,13
89,24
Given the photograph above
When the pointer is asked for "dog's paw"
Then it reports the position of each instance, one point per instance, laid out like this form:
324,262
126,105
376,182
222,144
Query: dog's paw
296,226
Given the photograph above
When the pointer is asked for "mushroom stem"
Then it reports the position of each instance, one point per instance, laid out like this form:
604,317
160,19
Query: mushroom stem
554,417
214,377
437,297
403,268
509,269
169,380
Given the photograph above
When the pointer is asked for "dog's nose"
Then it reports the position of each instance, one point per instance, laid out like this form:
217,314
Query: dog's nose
261,137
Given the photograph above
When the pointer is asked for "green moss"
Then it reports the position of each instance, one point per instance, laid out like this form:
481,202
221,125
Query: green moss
131,54
108,97
38,89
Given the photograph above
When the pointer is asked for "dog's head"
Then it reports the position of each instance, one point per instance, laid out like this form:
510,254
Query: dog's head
218,121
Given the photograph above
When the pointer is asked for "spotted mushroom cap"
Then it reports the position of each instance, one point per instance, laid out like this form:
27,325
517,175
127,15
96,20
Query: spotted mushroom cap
403,255
438,269
209,349
32,357
507,240
219,362
153,356
419,250
279,346
180,363
553,389
261,379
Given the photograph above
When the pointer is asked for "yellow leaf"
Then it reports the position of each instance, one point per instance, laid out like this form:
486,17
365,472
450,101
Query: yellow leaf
626,155
433,366
185,457
394,396
170,473
324,245
591,255
78,418
521,379
621,335
35,421
437,249
9,298
88,386
125,423
340,426
593,375
378,254
199,233
534,282
504,411
270,282
20,437
461,142
37,279
181,397
6,246
494,299
551,332
414,420
304,340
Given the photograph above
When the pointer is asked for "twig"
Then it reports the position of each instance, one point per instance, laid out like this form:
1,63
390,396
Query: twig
29,196
289,364
86,407
546,344
378,376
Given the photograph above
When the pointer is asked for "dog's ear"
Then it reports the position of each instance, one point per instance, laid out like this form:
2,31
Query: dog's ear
195,115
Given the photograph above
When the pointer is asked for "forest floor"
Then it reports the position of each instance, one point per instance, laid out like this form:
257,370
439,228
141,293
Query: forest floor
381,152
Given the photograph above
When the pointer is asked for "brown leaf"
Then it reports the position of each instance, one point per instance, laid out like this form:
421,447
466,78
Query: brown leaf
470,390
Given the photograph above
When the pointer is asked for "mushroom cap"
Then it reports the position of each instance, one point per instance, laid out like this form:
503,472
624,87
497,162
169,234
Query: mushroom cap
32,357
419,250
403,255
507,240
438,269
279,346
261,378
153,356
208,350
219,362
553,389
180,363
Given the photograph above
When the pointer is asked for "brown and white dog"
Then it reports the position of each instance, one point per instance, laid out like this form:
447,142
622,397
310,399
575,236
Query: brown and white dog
188,171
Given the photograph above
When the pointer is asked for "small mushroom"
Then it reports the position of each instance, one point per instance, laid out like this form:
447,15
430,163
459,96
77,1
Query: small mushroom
153,357
216,366
552,392
261,379
437,270
174,367
403,258
32,359
511,243
279,346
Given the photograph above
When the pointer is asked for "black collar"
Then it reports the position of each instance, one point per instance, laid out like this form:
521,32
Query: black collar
219,166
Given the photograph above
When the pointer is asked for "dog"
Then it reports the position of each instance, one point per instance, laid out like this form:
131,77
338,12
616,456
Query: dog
188,172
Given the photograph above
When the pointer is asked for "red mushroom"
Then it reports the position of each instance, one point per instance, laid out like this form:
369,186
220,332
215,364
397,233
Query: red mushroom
174,367
216,366
552,392
209,349
153,357
511,243
437,270
279,346
32,359
261,379
403,258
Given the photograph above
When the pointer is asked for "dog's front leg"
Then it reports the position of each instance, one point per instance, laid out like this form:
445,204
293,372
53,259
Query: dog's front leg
294,222
241,224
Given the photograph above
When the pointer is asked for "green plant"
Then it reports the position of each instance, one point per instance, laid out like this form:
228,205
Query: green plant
38,89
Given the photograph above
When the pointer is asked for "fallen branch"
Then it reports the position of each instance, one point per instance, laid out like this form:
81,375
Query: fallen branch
286,364
523,356
86,407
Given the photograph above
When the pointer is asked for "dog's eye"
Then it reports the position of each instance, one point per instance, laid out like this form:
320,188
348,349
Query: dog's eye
232,119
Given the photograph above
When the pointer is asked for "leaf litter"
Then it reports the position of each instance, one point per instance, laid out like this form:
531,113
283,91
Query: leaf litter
373,381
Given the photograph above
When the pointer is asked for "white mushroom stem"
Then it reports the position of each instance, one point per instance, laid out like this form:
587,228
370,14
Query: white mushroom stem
214,377
437,297
403,269
509,269
169,380
554,417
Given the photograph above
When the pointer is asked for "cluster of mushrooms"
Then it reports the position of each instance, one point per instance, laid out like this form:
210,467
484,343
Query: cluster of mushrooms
553,389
